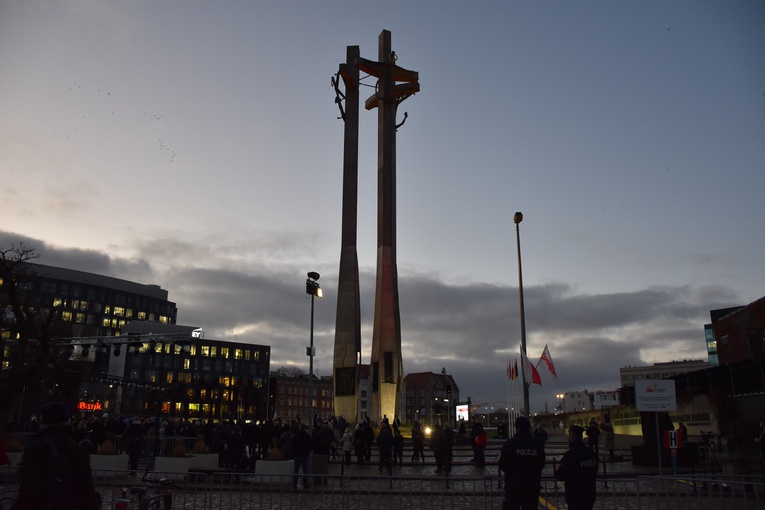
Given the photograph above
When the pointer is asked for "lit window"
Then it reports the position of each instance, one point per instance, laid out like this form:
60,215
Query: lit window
128,313
79,318
141,316
66,316
119,311
213,351
238,354
187,364
224,352
107,310
57,302
83,305
224,381
205,350
106,322
163,319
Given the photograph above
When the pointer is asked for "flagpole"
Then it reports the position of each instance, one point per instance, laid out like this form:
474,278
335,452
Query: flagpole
517,219
516,402
508,394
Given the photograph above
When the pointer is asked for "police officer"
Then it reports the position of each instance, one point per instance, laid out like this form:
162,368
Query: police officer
522,458
578,469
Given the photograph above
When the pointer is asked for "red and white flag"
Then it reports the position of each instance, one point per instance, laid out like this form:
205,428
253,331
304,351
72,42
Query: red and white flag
546,362
530,373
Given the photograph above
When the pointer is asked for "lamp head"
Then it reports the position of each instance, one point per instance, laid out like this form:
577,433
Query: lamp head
312,287
518,217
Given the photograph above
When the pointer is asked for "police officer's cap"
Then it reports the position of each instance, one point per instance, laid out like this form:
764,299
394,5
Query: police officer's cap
522,423
576,430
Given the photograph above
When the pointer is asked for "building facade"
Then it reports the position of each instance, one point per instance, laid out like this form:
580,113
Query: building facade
709,333
605,399
577,401
740,334
431,398
173,371
365,391
629,374
89,304
288,398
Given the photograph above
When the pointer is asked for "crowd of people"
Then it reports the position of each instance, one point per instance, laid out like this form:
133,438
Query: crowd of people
240,444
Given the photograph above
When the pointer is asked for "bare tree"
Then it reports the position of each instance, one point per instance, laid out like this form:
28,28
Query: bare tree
288,372
28,322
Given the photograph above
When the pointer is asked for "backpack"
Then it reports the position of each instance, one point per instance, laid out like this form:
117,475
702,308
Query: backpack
60,494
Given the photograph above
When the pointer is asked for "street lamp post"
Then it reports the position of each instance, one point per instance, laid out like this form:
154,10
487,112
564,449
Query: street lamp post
311,287
517,219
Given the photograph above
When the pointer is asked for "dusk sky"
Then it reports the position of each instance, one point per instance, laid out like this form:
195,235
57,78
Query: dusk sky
197,146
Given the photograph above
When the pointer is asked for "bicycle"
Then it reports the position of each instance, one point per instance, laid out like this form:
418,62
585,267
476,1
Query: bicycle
160,499
7,498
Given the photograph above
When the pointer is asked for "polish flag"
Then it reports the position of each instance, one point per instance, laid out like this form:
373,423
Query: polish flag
546,362
530,373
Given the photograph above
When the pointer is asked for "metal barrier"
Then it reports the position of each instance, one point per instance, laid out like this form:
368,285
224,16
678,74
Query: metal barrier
699,493
248,491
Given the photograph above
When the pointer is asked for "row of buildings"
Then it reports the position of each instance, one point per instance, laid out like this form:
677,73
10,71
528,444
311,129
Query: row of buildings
119,349
735,341
116,348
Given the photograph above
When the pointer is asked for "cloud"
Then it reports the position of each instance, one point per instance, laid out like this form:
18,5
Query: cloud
471,329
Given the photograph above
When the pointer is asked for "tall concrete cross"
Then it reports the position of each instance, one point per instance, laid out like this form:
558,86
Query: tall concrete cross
387,370
348,318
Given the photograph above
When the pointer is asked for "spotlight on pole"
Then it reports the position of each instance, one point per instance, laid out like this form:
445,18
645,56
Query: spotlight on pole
314,290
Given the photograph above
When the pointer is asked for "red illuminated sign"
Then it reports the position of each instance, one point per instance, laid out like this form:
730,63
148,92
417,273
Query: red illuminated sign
85,406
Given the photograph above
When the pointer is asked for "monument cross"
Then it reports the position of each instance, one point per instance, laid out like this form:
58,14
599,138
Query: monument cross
387,370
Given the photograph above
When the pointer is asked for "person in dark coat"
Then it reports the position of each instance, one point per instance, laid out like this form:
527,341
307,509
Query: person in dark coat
442,442
235,448
302,445
325,436
398,447
418,443
134,442
358,444
38,465
481,439
578,470
593,435
368,433
385,446
522,459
